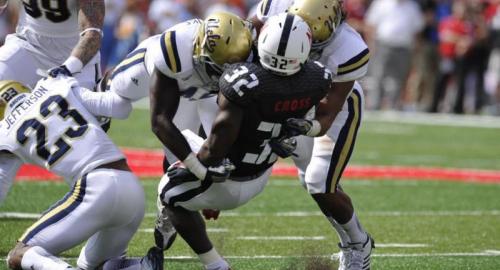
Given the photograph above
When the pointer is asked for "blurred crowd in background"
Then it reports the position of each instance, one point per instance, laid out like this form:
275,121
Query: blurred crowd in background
426,55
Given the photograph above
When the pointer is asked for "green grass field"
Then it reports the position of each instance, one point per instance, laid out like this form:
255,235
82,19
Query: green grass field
416,224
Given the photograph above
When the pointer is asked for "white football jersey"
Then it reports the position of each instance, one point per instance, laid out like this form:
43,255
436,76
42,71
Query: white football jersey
346,55
51,128
171,53
49,18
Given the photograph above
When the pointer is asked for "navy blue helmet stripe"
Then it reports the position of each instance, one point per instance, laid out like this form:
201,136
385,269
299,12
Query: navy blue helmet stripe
267,6
285,35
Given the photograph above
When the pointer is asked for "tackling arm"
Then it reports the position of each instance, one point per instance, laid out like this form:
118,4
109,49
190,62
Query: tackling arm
332,104
326,112
108,104
91,19
164,99
224,132
9,165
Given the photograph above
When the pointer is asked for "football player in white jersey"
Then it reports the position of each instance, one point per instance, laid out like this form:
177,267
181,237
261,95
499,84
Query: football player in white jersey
338,46
60,36
55,128
178,70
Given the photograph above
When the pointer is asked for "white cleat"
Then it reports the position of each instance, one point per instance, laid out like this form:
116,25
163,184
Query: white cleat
356,256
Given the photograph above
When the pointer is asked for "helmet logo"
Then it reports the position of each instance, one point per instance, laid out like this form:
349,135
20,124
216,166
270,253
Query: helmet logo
210,37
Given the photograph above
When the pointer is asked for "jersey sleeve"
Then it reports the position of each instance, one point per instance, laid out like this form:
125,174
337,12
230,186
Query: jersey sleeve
236,84
108,103
322,76
171,54
268,8
349,61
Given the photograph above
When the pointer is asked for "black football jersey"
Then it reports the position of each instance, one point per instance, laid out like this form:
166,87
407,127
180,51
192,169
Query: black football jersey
268,100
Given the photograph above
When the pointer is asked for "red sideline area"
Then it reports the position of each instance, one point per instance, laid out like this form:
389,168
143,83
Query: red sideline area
148,163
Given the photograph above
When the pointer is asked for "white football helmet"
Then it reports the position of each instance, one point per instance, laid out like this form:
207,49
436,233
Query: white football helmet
284,43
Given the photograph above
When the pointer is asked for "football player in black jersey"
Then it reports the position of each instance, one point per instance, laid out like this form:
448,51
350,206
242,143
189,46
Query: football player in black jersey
254,103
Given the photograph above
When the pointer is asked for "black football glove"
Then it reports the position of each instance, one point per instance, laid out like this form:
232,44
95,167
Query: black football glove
297,126
178,174
283,147
60,70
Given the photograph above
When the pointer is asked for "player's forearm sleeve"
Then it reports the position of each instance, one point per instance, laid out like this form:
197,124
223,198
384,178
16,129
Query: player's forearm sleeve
107,104
9,165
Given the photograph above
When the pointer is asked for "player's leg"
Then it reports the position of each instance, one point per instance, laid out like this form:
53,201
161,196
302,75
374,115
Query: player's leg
17,63
112,242
323,175
183,200
80,214
187,220
302,156
124,219
46,238
186,118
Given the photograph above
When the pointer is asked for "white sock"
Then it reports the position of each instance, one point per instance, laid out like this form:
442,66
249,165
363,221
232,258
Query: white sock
354,230
212,260
343,236
37,258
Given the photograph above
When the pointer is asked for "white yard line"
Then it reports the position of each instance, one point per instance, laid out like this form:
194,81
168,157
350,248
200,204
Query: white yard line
400,245
478,121
22,215
486,253
283,238
212,230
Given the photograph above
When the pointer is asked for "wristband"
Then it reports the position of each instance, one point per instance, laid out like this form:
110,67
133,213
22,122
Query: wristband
92,29
315,129
194,165
73,64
